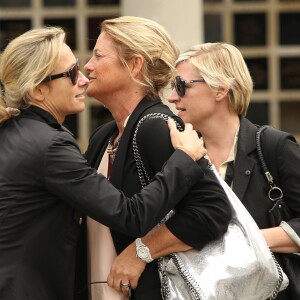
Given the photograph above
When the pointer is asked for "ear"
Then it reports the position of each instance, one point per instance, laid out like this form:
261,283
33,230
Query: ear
136,65
39,92
222,93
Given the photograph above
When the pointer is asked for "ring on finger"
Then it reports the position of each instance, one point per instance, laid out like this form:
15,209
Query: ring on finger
125,285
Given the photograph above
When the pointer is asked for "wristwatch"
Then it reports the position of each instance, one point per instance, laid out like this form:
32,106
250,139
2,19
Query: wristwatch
142,251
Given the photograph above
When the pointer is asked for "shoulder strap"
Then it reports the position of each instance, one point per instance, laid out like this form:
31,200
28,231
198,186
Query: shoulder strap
144,177
269,143
267,139
262,161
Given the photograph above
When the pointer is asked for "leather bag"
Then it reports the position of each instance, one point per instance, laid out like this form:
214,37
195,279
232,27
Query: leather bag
290,263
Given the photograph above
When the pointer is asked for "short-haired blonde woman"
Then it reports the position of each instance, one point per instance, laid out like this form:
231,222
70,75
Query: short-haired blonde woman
212,90
44,180
133,60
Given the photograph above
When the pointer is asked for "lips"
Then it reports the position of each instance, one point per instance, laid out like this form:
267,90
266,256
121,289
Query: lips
79,95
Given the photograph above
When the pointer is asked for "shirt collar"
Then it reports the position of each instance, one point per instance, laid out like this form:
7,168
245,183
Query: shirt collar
37,113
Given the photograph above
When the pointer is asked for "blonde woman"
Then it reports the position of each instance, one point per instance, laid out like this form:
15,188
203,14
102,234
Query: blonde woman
45,183
212,91
133,60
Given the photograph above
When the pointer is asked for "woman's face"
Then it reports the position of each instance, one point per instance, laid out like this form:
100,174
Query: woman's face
62,97
198,104
108,77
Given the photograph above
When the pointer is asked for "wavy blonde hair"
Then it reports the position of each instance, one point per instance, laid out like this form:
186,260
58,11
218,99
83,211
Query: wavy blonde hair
133,35
25,63
222,66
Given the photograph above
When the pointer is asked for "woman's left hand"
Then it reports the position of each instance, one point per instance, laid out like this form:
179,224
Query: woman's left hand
12,111
126,268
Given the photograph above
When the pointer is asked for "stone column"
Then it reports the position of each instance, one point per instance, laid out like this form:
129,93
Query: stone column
183,19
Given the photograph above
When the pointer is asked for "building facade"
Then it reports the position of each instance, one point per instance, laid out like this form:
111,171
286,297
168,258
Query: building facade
266,32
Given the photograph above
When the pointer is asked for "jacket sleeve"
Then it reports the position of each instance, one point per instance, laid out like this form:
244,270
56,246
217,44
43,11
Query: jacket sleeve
69,177
288,165
204,213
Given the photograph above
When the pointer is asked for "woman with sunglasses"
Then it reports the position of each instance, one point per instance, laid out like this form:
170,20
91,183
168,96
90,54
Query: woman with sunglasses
133,60
45,183
212,90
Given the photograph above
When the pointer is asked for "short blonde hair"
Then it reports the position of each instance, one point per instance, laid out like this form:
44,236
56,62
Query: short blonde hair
25,63
133,35
222,66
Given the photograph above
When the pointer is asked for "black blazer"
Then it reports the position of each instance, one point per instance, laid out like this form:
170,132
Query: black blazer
249,182
202,216
44,182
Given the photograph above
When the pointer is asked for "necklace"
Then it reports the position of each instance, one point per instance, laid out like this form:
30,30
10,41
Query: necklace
112,148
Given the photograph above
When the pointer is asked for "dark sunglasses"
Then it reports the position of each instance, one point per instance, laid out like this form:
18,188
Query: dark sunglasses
180,84
73,73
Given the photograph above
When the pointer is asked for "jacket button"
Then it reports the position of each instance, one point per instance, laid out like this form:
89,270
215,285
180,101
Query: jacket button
80,221
247,172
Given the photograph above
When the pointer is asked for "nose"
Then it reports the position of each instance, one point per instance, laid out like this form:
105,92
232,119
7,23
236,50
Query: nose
88,66
82,80
173,96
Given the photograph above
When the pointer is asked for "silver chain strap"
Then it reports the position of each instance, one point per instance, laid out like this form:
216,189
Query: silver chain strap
144,177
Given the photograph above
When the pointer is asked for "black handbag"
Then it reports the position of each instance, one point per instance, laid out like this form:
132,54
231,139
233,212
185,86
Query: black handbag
290,263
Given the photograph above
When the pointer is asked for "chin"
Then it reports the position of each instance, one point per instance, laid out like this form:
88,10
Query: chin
79,109
89,92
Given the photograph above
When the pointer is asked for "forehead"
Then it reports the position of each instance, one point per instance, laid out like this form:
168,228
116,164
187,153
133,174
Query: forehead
104,43
66,60
186,68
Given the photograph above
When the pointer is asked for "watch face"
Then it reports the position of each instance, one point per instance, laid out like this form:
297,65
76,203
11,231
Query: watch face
143,252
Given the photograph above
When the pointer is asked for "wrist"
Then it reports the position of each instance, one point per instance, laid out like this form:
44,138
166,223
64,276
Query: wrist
189,153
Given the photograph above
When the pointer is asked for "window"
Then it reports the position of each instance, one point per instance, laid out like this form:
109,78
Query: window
267,33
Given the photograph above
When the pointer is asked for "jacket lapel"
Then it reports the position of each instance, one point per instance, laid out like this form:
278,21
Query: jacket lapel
244,162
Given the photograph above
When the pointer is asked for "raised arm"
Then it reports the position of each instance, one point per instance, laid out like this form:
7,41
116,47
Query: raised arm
71,179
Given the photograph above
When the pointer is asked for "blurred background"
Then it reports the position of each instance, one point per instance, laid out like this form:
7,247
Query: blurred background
266,32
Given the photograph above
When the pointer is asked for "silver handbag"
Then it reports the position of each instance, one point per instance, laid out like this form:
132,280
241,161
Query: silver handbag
238,266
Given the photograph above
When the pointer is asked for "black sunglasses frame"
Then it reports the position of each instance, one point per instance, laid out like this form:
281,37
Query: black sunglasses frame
72,73
180,84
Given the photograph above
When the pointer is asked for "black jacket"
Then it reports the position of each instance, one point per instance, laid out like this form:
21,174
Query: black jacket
201,217
44,181
249,182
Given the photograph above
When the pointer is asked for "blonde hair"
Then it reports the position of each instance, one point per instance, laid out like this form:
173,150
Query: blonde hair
222,66
24,64
133,35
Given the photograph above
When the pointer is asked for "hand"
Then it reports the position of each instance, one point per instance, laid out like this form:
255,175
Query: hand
126,268
187,140
12,111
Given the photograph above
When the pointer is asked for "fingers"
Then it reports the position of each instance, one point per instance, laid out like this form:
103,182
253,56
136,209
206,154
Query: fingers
12,111
188,127
126,288
122,286
187,140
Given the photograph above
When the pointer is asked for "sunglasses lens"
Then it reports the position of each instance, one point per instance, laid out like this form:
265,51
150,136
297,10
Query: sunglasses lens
179,86
74,72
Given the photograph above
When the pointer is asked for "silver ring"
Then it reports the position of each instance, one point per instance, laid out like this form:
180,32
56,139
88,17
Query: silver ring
125,285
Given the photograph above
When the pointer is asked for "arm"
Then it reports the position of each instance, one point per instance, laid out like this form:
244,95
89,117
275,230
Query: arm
279,241
68,176
286,237
203,216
